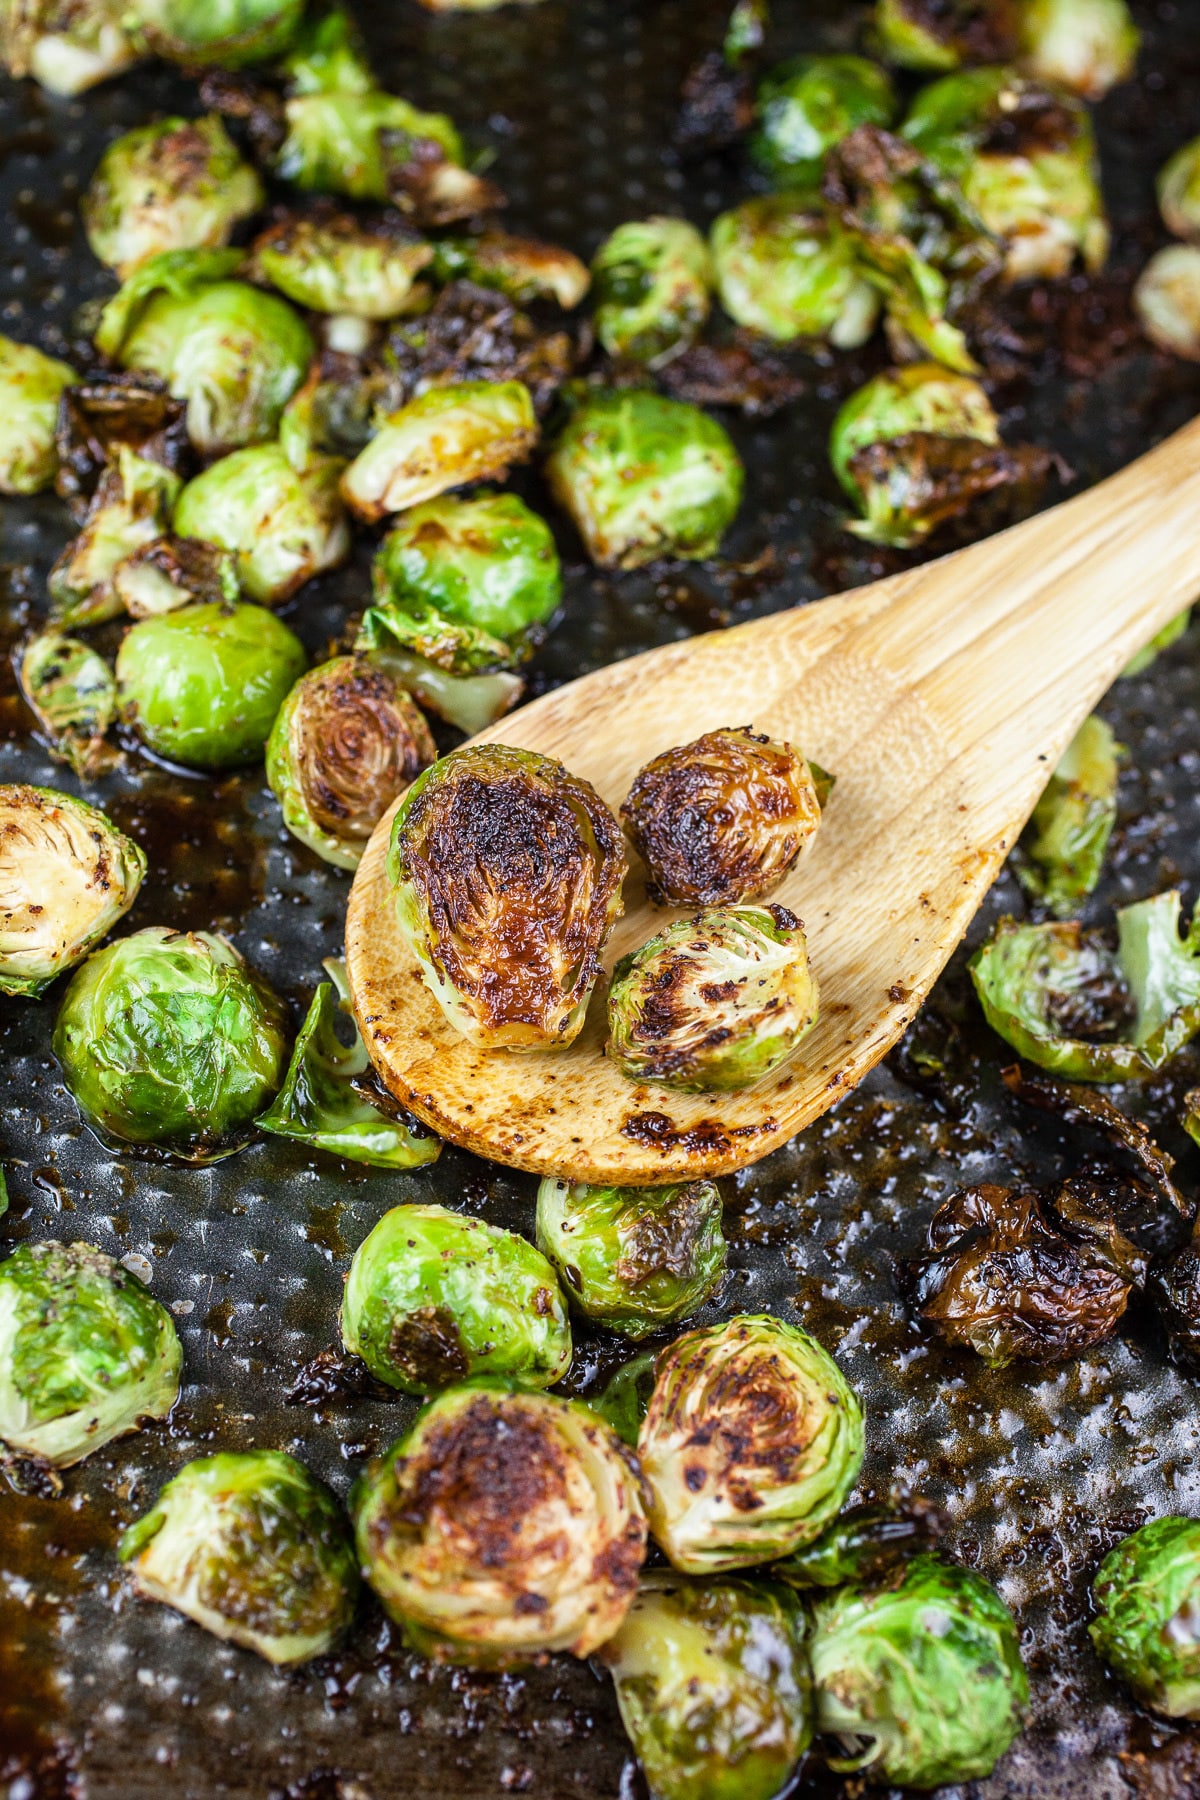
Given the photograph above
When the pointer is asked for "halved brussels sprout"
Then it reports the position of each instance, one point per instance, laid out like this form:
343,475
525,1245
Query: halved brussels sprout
1167,300
336,263
282,525
1088,46
170,573
226,33
178,184
785,268
171,1038
1062,851
1147,1625
434,1297
66,876
1179,192
645,477
345,743
446,437
864,1544
73,694
523,268
130,509
713,1002
31,385
635,1259
1062,998
375,146
86,1353
66,45
751,1444
921,1678
502,1526
928,34
713,1687
253,1547
808,105
652,282
722,819
330,1099
507,873
202,686
623,1401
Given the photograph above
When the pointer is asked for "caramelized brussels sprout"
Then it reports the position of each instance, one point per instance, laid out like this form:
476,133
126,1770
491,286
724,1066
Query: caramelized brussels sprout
107,413
652,280
31,385
336,263
86,1353
713,1687
507,872
73,694
66,45
714,1002
635,1259
170,573
178,184
469,431
751,1444
783,267
375,146
345,743
1062,851
1147,1599
130,509
1088,46
1179,192
171,1038
523,268
865,1543
808,105
282,525
227,33
66,876
253,1547
202,686
472,702
623,1401
473,334
502,1526
927,34
644,477
1167,301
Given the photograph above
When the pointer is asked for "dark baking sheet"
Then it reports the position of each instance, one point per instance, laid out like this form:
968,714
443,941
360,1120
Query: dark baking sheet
110,1699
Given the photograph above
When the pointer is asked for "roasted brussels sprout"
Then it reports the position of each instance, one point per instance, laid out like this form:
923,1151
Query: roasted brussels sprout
169,573
472,702
470,431
623,1401
718,1001
1088,46
130,509
336,263
282,525
927,34
1147,1599
508,873
327,55
523,268
1062,852
785,268
170,1038
202,686
253,1547
73,695
751,1444
66,876
1179,192
635,1259
227,33
375,146
1167,300
31,385
865,1543
504,1525
652,280
713,1687
808,105
330,1099
434,1297
178,184
476,334
645,477
111,412
920,1678
86,1353
66,45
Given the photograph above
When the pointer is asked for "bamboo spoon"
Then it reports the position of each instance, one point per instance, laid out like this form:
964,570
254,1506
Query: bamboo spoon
941,698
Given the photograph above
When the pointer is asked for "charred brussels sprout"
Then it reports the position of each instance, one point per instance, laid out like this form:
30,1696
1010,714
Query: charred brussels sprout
282,525
446,437
345,743
252,1547
644,477
202,686
921,1679
66,876
1167,300
227,33
335,263
807,106
523,268
375,146
722,819
507,872
130,510
1088,46
1062,852
169,573
865,1543
86,1353
73,694
178,184
785,268
714,1002
66,45
927,34
635,1259
170,1038
751,1444
1147,1624
1179,192
31,385
652,279
434,1297
504,1525
713,1687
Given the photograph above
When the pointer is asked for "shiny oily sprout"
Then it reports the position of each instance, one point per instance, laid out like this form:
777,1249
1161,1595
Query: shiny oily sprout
446,437
1147,1625
281,525
652,282
177,184
785,269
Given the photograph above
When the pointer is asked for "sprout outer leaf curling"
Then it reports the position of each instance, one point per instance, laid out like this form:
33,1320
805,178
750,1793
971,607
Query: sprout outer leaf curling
282,525
177,184
1062,852
73,693
31,385
446,437
652,280
1147,1600
623,1401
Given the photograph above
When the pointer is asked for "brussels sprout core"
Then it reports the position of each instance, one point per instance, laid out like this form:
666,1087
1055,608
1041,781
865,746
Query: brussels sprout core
282,525
444,438
335,263
807,106
652,281
784,268
178,184
1179,192
1147,1624
30,387
1167,300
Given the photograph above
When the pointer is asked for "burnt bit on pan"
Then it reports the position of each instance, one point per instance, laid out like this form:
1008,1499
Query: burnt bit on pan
745,373
473,333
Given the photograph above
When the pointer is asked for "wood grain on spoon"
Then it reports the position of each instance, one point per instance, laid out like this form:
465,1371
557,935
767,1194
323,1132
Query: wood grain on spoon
941,699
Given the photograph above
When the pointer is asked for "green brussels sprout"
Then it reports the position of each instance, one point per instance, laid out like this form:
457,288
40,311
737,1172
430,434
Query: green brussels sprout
72,693
202,686
1147,1600
624,1400
169,573
714,1002
171,1038
645,477
713,1687
1179,192
808,105
228,34
86,1353
1162,640
66,45
281,525
864,1544
502,1526
375,146
921,1678
335,263
1088,46
472,702
635,1259
446,437
346,742
652,282
178,184
1062,850
253,1547
507,873
751,1444
1167,300
30,387
328,56
523,268
1065,1001
130,509
66,875
787,270
926,34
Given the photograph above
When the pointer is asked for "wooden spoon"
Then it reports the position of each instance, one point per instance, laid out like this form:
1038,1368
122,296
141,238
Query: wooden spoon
941,699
